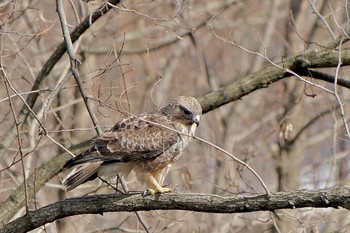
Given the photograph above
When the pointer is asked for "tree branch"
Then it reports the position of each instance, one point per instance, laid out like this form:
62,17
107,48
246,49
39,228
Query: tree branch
74,64
232,92
210,203
48,66
35,181
328,78
263,78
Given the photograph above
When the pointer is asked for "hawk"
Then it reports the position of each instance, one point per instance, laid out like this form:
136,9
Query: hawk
147,144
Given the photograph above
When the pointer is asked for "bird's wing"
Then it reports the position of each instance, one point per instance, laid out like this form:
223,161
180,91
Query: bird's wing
131,139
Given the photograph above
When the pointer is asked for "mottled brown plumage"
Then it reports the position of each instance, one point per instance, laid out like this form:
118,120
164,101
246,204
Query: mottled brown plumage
148,144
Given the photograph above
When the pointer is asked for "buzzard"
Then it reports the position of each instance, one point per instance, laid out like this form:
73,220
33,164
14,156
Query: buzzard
147,144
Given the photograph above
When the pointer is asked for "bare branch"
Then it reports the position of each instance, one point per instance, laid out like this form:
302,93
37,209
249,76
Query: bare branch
74,64
263,78
7,85
50,63
238,161
340,104
35,181
322,19
138,214
98,204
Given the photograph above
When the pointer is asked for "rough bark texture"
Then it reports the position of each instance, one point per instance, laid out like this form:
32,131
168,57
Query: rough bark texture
98,204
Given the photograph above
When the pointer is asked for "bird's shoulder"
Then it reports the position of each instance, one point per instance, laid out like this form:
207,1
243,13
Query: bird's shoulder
145,135
140,122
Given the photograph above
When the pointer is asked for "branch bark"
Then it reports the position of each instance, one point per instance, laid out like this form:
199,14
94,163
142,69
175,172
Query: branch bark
210,203
262,79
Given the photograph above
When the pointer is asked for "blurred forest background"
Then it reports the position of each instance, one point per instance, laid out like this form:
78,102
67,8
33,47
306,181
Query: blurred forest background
139,56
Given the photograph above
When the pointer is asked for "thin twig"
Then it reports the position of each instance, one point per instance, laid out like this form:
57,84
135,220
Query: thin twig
237,160
17,126
308,125
138,214
44,131
340,104
118,59
265,57
178,11
74,64
268,34
346,33
7,84
46,69
167,41
26,93
322,19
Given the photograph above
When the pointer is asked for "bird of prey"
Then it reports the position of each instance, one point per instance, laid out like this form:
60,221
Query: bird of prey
147,144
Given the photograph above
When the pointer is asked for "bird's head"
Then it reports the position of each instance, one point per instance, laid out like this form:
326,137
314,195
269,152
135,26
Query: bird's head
184,109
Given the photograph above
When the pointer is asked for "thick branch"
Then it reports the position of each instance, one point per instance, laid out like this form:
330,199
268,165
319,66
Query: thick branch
98,204
262,79
328,78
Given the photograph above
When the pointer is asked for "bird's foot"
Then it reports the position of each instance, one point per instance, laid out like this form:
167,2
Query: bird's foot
174,188
165,190
148,192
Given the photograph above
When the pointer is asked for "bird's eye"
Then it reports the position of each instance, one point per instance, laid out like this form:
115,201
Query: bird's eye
186,111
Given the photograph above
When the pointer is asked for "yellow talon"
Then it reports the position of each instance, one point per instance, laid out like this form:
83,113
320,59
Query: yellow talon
157,191
165,190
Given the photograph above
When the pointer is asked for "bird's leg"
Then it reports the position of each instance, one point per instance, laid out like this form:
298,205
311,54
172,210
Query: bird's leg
160,176
123,184
117,182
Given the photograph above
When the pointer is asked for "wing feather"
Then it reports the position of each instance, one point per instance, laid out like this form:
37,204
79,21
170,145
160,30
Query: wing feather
131,139
82,174
135,138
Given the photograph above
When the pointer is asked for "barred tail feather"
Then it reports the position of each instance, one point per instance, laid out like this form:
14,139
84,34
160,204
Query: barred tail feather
81,174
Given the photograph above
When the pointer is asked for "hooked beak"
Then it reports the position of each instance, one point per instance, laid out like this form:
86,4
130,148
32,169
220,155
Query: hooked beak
196,119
